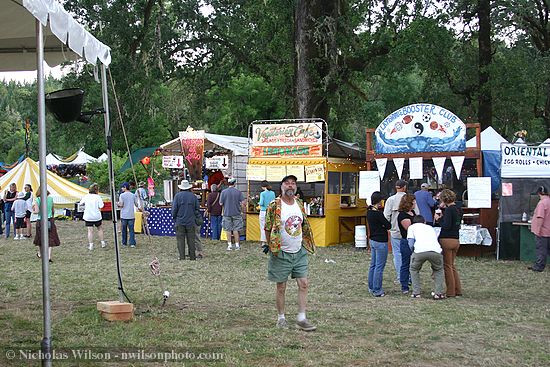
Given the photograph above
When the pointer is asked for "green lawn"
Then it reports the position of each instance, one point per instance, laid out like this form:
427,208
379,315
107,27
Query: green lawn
224,304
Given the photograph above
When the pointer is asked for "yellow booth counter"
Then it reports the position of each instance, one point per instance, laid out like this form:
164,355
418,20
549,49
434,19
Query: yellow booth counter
330,194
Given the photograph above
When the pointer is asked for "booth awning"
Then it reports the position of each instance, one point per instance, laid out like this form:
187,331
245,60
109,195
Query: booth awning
65,39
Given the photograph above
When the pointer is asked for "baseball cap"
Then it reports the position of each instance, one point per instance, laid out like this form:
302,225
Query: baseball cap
20,195
126,185
401,183
541,190
289,177
425,186
231,181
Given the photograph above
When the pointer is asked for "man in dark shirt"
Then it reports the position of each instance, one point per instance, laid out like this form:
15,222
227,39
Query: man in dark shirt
185,209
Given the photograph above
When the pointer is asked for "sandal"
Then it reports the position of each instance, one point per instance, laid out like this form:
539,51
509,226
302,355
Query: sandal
416,296
438,297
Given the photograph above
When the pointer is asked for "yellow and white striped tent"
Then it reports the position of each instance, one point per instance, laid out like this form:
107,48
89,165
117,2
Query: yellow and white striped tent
61,190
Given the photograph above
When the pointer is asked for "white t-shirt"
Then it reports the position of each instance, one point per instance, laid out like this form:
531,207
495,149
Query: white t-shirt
92,204
425,238
291,227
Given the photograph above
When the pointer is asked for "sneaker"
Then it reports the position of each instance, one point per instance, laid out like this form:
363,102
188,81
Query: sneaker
237,248
379,295
228,247
91,246
534,269
282,324
305,325
133,246
16,238
103,244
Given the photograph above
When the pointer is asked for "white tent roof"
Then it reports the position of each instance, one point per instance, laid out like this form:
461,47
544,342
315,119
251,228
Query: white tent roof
27,172
80,157
490,140
18,36
238,145
102,158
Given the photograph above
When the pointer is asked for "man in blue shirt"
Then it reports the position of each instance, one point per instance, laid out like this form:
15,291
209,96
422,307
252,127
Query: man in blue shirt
185,210
126,203
231,200
425,203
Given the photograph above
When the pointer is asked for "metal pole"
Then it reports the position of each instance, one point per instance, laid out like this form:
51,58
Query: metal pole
45,345
109,141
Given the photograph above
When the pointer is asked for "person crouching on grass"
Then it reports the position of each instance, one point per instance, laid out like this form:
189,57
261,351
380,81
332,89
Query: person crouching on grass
19,209
425,247
289,239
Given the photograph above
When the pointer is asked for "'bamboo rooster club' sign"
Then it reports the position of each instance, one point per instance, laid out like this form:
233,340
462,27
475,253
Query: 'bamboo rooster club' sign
302,139
192,146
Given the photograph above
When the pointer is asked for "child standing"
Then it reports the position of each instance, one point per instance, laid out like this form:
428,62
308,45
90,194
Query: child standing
19,208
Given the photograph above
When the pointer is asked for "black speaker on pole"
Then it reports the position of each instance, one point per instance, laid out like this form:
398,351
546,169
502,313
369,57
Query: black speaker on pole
65,104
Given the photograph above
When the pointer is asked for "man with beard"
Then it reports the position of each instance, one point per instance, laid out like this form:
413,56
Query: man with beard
289,239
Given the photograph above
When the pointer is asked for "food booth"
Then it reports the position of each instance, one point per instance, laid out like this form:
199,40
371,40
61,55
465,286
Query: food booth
523,169
327,170
427,143
203,159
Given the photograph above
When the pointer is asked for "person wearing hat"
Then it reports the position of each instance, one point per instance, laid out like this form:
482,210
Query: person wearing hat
127,203
19,209
232,200
290,239
266,197
142,197
425,203
92,204
540,226
185,210
391,211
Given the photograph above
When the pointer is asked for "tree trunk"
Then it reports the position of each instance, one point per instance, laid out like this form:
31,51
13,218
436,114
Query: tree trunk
485,99
308,72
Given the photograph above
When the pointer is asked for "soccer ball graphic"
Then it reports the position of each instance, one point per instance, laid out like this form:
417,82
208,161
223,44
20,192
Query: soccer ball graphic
426,117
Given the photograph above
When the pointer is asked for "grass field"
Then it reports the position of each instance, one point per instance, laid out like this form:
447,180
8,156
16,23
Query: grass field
224,304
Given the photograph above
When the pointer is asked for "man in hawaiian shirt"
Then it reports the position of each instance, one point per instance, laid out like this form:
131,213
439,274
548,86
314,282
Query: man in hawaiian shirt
290,238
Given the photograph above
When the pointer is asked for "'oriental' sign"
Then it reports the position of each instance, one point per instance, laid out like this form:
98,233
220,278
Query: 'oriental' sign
287,134
288,151
192,146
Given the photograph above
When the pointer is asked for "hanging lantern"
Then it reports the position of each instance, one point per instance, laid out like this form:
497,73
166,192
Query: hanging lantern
146,160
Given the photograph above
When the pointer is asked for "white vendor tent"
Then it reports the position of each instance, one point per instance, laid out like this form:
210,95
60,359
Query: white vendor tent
490,140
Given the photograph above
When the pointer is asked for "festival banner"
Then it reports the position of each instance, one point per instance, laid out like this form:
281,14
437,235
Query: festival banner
173,161
420,127
458,161
521,160
286,151
192,146
381,164
287,134
296,170
255,172
275,173
399,163
439,164
315,173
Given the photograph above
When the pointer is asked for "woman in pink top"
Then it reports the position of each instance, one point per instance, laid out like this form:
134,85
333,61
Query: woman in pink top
540,226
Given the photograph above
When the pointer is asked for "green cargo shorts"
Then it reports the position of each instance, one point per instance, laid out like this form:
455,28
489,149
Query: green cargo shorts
285,264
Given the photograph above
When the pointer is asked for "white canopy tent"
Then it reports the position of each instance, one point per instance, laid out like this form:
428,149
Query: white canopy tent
79,157
31,32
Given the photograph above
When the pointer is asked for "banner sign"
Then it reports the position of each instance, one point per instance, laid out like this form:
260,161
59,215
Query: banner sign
275,173
369,182
192,146
287,134
217,162
421,127
315,173
525,161
172,161
289,151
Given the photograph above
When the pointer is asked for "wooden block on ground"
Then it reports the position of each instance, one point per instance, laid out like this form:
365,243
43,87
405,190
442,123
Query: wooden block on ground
116,311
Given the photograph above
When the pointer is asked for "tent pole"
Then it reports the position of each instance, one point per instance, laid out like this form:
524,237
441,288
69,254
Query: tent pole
45,345
108,137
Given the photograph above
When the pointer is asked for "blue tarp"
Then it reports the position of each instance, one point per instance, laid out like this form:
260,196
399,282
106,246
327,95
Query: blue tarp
491,167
